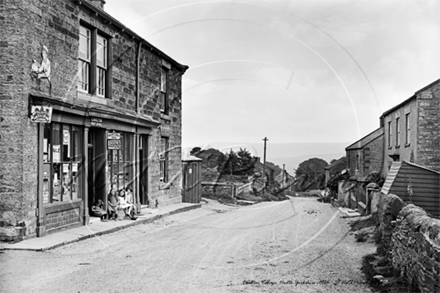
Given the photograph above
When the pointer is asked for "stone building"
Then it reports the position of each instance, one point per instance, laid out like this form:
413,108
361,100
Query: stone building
366,154
86,105
412,129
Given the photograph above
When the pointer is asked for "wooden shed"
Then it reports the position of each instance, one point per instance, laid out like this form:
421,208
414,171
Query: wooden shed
191,179
415,184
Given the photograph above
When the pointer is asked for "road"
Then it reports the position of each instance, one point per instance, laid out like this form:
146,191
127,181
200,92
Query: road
299,245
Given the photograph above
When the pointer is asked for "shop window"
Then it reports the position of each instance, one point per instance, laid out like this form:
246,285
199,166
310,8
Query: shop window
92,62
163,158
164,90
120,160
62,159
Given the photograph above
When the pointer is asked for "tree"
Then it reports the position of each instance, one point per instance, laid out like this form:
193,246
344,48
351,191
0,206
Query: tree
195,151
312,173
236,163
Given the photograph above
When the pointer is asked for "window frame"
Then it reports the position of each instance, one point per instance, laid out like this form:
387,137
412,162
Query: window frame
164,159
84,62
397,131
407,130
390,134
164,76
73,160
100,87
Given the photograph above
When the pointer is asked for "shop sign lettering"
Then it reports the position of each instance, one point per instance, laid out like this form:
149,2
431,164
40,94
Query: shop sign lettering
41,114
95,121
114,144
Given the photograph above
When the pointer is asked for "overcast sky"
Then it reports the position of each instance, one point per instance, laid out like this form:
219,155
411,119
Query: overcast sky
294,71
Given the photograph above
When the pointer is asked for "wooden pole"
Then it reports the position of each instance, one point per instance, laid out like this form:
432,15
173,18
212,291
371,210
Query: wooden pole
264,164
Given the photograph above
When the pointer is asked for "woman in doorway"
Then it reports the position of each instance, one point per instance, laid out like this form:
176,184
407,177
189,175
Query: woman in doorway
113,203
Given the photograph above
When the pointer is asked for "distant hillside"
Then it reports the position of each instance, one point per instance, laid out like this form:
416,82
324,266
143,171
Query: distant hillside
291,154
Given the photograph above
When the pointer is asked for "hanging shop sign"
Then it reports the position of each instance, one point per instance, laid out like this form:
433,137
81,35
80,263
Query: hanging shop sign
41,114
94,121
114,144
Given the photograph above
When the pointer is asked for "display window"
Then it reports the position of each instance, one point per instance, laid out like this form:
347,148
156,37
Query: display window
120,167
62,160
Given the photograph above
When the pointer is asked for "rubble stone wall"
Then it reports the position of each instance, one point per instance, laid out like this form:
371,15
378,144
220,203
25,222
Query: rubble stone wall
385,209
416,248
218,189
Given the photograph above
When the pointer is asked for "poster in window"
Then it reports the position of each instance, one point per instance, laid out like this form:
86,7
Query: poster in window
74,167
56,149
65,168
66,136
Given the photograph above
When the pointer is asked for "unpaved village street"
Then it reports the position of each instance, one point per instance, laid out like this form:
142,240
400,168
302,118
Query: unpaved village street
300,245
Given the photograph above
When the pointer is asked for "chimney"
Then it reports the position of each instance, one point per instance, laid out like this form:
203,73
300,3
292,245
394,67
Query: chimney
98,3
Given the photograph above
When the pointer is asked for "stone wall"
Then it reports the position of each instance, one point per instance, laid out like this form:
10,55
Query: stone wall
428,134
409,239
223,190
416,248
385,209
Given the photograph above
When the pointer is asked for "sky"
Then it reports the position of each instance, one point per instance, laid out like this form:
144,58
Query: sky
295,71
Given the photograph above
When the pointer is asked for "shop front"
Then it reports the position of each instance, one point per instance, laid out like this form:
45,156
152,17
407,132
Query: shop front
83,154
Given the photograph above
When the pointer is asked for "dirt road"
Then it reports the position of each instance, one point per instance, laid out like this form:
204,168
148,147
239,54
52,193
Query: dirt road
299,245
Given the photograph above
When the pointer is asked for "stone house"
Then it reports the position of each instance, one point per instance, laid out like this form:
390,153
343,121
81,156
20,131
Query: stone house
87,105
366,154
412,129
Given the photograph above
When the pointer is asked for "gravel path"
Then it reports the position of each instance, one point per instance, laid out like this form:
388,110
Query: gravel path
299,245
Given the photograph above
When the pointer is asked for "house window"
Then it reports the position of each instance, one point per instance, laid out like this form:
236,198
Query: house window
407,129
390,134
84,59
397,132
164,90
62,158
357,162
92,66
101,63
163,157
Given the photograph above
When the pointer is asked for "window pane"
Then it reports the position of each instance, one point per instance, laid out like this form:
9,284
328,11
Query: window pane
163,80
47,165
83,75
101,52
84,43
101,81
66,164
76,164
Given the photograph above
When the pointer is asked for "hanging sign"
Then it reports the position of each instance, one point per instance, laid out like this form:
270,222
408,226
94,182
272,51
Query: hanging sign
94,121
41,114
114,144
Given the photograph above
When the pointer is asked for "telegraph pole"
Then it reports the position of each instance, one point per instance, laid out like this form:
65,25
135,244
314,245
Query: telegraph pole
264,164
282,184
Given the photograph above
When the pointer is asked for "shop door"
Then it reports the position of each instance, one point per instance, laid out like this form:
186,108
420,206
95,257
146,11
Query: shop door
143,169
96,166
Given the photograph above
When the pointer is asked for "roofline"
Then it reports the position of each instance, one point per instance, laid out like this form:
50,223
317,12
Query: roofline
120,25
365,137
421,167
410,98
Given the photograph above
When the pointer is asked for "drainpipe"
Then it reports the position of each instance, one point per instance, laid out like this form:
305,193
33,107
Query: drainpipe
137,136
138,67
